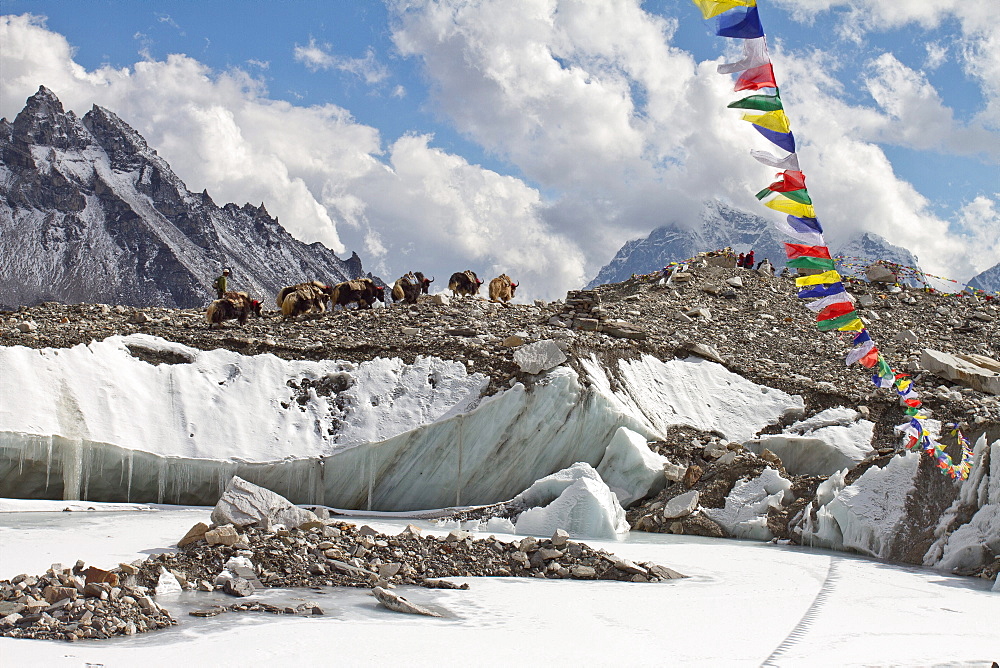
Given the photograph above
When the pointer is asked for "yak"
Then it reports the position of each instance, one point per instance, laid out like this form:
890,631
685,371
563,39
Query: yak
305,298
253,305
502,289
409,287
361,291
464,283
226,309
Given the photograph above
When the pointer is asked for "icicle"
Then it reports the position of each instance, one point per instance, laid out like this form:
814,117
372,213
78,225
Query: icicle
371,475
72,461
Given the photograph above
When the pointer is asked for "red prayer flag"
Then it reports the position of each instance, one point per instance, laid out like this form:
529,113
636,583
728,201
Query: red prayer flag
871,359
756,78
788,182
835,311
802,250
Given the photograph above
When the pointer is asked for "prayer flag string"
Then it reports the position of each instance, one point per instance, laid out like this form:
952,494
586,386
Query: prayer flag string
819,278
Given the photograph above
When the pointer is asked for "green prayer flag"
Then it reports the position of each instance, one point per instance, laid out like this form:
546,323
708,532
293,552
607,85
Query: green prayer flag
811,263
838,322
758,102
800,196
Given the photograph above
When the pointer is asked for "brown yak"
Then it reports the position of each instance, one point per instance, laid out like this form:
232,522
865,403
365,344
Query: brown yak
225,309
360,291
305,298
409,287
253,305
502,289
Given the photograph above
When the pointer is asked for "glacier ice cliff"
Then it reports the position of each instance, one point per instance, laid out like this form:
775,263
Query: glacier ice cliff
136,418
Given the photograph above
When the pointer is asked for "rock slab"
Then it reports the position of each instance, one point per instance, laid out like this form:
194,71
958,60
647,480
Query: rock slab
245,503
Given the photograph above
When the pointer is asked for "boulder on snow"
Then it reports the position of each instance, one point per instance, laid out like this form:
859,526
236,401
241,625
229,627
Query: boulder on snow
224,535
703,350
630,468
575,500
976,371
244,503
397,603
194,534
539,356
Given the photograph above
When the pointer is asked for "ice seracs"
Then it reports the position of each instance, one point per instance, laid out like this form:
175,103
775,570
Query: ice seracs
101,422
630,468
821,445
575,500
745,512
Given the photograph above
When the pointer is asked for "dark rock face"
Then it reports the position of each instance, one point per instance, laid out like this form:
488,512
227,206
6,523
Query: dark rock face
90,213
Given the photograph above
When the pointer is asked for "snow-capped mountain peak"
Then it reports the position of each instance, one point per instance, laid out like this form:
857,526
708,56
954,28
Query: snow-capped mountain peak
90,213
722,226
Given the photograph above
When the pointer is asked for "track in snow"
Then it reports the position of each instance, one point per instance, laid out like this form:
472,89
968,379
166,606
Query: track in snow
802,628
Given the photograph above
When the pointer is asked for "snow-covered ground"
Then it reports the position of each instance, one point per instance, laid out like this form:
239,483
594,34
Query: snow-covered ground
745,603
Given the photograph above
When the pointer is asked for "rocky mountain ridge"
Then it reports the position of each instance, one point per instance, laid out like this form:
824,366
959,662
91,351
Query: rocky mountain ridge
90,213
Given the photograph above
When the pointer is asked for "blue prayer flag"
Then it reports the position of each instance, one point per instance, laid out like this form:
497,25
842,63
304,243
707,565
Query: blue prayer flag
783,139
822,290
738,23
805,225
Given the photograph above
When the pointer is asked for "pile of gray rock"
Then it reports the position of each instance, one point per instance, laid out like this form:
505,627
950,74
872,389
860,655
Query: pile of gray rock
582,310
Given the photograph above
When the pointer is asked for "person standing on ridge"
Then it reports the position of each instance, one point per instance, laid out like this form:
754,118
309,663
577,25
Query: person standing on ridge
749,260
220,284
740,260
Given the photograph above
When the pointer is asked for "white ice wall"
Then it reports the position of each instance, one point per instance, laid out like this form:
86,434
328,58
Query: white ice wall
974,543
221,404
95,422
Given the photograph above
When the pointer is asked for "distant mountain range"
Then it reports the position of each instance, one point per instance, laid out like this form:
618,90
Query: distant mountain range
721,226
90,213
988,280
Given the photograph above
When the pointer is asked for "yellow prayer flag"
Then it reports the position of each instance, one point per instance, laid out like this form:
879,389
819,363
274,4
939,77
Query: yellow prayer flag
710,8
826,277
792,207
853,326
772,120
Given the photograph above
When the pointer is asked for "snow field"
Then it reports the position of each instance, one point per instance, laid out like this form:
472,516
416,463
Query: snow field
869,613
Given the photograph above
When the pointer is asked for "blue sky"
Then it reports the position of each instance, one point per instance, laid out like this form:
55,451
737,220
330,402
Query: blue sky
539,131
